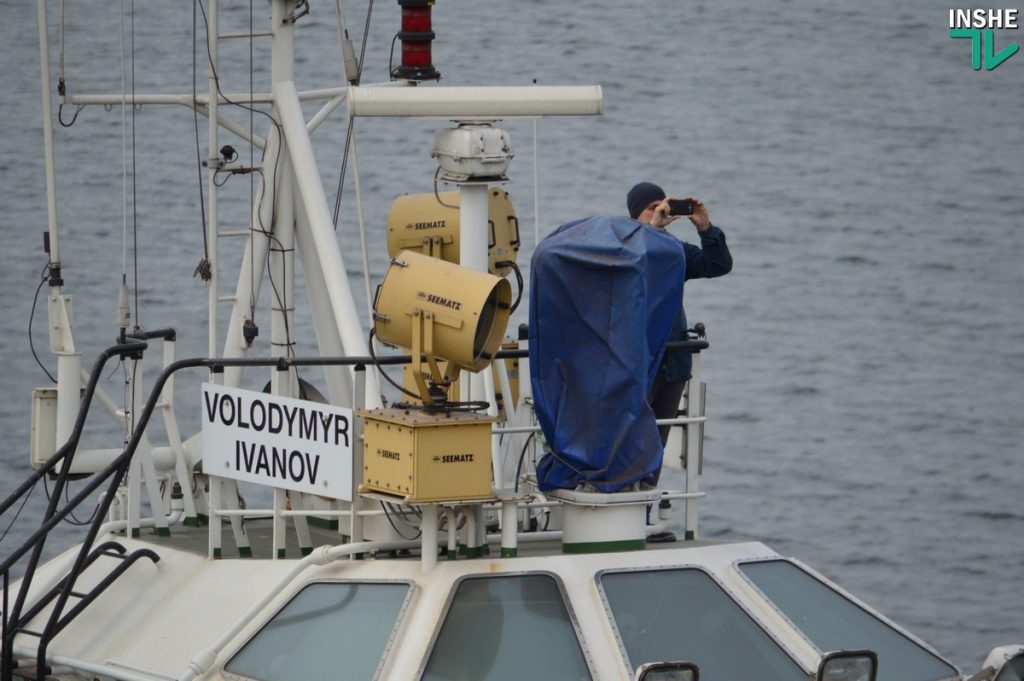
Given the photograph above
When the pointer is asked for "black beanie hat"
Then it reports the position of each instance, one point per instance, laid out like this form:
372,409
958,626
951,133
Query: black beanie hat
641,196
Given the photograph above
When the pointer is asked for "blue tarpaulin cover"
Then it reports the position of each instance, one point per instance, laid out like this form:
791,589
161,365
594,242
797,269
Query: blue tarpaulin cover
604,292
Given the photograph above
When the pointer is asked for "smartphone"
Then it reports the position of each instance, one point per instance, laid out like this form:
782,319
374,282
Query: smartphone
680,206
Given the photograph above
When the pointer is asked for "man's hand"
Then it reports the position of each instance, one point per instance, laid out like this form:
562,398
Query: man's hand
659,215
700,217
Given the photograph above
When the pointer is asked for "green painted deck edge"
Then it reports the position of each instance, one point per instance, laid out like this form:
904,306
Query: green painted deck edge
605,546
324,523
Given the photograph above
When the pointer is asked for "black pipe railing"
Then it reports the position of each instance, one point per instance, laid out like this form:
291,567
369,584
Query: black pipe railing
64,456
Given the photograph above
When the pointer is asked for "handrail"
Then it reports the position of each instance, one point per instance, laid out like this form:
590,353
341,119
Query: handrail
66,455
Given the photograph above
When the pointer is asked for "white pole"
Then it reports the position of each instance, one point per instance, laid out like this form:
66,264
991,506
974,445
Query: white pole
69,361
358,398
509,528
536,188
473,216
311,189
211,186
693,432
282,273
51,181
339,380
428,538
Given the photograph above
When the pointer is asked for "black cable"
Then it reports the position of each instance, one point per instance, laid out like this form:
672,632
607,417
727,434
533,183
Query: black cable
438,196
472,405
390,56
373,356
366,33
62,87
519,466
344,170
519,281
31,316
60,115
395,527
20,509
72,519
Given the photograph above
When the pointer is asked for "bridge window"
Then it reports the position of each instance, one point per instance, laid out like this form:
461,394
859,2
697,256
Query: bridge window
831,621
507,628
683,614
312,636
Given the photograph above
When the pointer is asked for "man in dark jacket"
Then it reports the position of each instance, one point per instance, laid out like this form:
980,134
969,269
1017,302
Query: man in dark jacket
648,204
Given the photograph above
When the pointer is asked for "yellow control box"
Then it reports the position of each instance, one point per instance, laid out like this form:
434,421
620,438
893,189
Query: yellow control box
422,456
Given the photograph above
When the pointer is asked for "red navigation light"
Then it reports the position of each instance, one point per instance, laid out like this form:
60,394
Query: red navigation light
416,36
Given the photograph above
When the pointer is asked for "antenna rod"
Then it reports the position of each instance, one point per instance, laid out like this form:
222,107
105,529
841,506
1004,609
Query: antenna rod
51,182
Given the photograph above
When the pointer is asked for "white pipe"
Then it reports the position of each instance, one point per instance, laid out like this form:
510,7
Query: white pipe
322,94
325,111
536,188
428,537
327,512
363,250
180,460
511,412
517,429
93,669
473,216
332,267
452,530
339,379
69,386
693,409
509,528
660,422
282,273
228,124
529,537
213,286
105,400
492,411
476,102
358,401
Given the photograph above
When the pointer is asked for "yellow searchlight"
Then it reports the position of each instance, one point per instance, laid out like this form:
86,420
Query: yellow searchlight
441,311
429,224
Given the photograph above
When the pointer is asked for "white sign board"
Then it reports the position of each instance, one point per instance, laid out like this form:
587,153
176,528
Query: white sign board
277,441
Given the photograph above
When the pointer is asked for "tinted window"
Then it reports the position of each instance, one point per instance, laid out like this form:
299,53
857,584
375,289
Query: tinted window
684,615
508,628
832,622
1013,671
310,637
